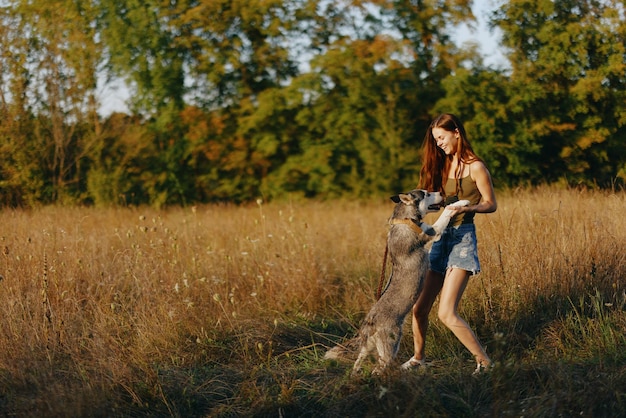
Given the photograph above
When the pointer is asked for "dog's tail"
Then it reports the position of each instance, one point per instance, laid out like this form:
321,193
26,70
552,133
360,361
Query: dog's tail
346,351
338,352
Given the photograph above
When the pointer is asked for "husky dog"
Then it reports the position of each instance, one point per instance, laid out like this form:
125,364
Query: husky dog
408,236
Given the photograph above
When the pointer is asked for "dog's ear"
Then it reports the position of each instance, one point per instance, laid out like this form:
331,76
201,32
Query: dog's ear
406,198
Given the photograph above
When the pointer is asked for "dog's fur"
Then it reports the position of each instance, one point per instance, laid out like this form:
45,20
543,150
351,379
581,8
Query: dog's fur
381,330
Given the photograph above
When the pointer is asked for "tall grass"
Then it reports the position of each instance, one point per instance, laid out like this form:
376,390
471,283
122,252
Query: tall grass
227,310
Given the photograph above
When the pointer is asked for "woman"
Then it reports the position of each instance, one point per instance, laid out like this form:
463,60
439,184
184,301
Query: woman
451,167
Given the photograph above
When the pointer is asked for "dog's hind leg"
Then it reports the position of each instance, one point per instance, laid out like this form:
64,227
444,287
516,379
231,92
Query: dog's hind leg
387,347
364,352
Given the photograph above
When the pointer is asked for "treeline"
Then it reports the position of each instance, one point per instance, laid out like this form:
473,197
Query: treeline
233,100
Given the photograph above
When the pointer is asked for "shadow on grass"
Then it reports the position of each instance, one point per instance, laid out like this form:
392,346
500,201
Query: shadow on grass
268,368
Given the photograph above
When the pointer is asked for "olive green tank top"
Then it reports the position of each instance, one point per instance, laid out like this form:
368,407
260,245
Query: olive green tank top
467,191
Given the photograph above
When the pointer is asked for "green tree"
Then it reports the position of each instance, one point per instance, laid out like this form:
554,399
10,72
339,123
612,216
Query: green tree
365,99
50,56
480,96
219,56
140,47
18,168
567,87
118,162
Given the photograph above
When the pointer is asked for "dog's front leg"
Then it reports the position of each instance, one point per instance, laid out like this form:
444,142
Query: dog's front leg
446,215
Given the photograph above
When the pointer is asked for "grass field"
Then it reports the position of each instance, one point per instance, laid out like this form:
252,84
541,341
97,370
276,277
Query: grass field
226,311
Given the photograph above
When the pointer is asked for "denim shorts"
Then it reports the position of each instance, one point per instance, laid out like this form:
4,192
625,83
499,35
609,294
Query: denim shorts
457,248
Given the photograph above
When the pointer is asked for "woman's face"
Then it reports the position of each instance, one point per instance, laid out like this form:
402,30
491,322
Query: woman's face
446,140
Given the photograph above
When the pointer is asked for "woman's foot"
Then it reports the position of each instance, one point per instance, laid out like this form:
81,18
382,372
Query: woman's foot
413,363
483,366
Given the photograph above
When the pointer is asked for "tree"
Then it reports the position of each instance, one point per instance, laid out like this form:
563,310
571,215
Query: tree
568,87
48,95
367,97
479,97
139,45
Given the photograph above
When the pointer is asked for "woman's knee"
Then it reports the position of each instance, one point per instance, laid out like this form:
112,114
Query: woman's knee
447,318
421,310
430,289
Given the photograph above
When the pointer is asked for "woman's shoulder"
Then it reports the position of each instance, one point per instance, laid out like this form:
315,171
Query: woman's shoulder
476,164
476,168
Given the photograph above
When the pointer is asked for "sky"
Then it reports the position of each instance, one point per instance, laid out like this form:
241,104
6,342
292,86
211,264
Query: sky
488,41
113,96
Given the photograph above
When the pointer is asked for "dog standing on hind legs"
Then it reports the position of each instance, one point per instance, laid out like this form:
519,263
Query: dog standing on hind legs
408,236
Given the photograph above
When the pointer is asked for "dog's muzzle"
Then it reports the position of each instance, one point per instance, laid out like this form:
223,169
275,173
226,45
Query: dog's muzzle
436,206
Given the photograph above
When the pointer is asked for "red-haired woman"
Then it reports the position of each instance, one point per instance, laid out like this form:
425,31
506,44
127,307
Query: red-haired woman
451,167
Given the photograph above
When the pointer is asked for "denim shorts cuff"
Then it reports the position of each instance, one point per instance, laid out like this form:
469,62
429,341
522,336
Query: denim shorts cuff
471,272
436,270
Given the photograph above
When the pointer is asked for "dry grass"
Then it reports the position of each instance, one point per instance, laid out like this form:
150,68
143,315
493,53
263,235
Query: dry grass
226,311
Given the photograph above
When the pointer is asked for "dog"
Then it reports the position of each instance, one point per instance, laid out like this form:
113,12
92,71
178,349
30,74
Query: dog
408,235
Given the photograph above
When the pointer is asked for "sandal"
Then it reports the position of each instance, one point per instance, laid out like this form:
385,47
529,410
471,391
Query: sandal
482,368
413,363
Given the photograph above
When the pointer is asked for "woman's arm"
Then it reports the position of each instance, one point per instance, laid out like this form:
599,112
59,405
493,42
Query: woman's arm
488,204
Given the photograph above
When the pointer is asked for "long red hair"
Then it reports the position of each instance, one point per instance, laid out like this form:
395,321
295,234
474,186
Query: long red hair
435,162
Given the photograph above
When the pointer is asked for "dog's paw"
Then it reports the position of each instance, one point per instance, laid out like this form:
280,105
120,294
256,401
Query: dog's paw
447,214
459,203
428,230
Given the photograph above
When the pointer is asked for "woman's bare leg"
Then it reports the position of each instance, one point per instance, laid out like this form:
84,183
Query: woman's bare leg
451,292
430,289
